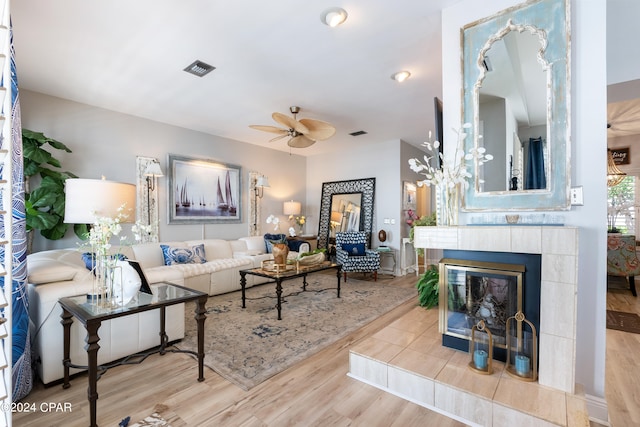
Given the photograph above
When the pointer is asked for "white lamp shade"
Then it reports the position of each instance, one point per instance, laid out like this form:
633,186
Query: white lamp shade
262,182
292,208
86,199
153,169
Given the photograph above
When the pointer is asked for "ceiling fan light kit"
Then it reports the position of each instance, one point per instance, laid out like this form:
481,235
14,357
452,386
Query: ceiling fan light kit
401,76
333,16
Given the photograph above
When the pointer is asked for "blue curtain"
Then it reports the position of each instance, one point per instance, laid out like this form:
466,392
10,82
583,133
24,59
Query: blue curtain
22,375
535,177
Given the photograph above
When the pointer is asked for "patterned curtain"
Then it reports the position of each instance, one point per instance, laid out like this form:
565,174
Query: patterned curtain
21,350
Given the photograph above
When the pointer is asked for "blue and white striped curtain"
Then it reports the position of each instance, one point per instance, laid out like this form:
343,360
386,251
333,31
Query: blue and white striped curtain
22,375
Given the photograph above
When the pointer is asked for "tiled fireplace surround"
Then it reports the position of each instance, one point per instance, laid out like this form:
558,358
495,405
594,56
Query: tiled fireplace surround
558,247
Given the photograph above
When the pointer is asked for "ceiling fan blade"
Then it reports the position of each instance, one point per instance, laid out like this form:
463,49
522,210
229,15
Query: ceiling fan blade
271,129
300,141
278,137
318,130
289,122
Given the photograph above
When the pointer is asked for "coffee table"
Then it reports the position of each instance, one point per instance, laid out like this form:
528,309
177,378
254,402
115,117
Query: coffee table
91,314
293,272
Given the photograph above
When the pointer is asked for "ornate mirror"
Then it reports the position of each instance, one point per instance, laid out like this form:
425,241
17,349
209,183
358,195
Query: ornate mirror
516,96
346,206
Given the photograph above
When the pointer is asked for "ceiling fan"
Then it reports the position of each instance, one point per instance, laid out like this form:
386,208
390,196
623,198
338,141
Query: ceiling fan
303,132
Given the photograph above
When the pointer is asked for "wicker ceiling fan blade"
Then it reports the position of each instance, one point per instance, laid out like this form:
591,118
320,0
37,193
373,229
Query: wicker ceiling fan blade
318,130
300,141
271,129
290,122
279,137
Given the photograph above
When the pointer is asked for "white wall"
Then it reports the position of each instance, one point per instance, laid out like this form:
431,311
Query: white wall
106,143
588,139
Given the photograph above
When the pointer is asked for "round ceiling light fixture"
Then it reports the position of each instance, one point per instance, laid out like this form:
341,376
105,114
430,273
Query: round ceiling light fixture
333,16
401,76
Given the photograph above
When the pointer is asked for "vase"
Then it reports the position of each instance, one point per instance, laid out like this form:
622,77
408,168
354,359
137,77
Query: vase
447,211
280,252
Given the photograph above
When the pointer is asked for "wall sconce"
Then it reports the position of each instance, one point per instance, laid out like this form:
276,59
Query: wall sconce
522,348
258,193
481,349
152,172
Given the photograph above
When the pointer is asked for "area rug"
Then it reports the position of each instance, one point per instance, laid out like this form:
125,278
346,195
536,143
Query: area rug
621,321
248,346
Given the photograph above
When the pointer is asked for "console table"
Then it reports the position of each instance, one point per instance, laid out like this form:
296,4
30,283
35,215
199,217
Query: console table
92,313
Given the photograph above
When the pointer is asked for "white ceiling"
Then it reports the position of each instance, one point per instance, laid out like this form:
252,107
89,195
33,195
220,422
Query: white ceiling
128,56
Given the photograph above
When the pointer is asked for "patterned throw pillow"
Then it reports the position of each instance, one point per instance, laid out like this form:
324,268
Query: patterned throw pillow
183,255
354,249
272,239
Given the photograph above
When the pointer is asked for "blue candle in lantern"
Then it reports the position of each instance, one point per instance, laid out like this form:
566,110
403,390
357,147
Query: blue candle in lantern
522,365
480,359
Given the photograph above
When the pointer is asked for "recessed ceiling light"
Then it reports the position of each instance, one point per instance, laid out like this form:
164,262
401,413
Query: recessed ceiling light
333,16
401,76
199,68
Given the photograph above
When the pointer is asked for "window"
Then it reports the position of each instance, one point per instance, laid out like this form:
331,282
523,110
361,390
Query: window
621,211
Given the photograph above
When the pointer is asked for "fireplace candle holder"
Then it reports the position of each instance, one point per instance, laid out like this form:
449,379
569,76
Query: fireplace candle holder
481,349
522,348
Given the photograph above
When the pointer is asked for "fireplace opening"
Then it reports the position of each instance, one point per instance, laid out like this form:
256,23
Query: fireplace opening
487,286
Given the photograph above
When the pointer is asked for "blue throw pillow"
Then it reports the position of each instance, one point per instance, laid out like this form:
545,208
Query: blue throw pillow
182,255
89,259
354,249
271,239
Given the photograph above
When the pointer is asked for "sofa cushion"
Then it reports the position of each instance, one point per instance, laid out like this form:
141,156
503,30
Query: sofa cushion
253,243
183,255
214,248
51,273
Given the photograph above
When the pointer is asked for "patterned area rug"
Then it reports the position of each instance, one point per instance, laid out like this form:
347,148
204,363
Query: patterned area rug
621,321
248,346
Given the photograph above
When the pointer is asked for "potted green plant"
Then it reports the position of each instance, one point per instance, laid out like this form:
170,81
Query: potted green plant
44,202
428,287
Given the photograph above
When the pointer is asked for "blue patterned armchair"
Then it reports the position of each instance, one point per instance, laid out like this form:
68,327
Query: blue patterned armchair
352,253
621,258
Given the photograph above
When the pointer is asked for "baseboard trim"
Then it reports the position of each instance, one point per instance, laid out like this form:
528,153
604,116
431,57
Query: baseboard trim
598,409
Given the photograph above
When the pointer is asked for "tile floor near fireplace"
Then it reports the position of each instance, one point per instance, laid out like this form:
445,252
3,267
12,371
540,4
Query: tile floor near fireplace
407,358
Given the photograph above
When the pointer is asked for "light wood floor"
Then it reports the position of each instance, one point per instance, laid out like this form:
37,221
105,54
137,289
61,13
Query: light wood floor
623,363
316,392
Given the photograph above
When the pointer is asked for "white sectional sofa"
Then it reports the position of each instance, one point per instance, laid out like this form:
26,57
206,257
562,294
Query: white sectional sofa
61,273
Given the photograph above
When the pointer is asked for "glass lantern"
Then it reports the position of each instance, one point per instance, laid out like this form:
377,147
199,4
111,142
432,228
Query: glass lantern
522,348
481,349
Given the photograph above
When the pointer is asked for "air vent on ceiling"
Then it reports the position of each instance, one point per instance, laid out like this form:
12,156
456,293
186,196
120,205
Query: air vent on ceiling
199,68
358,133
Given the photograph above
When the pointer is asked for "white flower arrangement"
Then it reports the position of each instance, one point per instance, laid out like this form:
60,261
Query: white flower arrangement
104,229
454,169
272,219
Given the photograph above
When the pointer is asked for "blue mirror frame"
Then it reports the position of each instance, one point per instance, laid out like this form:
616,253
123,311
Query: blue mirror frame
551,20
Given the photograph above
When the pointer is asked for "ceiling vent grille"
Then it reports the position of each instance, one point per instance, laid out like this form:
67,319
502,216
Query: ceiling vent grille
199,68
358,133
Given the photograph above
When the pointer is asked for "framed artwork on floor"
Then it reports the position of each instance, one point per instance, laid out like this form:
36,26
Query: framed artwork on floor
409,195
203,191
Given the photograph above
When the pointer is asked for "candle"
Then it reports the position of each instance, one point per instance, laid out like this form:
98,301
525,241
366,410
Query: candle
522,365
480,359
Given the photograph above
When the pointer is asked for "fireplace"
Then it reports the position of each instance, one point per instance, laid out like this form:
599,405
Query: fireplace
488,286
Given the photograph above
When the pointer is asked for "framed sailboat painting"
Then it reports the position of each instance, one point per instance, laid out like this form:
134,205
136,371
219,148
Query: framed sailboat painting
203,191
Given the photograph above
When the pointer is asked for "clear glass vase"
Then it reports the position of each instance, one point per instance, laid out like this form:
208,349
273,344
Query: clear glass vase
447,209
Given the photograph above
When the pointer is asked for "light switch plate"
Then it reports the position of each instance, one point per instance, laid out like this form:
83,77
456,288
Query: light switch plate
577,198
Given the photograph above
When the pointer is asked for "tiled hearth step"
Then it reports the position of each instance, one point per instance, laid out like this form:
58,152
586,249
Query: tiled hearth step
407,359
